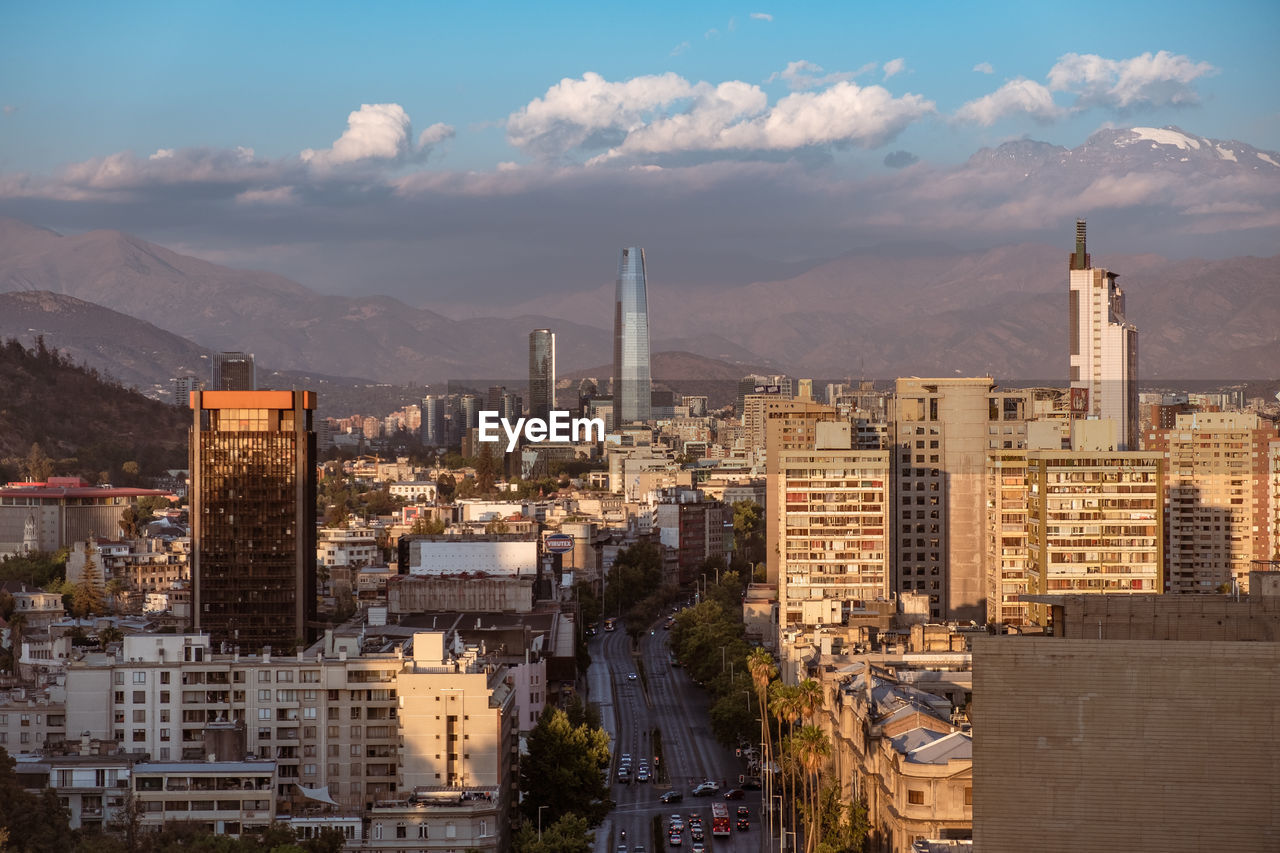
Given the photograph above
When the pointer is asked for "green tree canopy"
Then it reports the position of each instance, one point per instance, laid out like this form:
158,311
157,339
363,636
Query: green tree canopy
564,770
569,834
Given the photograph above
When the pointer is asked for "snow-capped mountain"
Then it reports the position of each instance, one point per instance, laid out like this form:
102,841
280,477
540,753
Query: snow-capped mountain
1134,148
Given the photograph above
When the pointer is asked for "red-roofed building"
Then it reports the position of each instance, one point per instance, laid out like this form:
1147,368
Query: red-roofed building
51,515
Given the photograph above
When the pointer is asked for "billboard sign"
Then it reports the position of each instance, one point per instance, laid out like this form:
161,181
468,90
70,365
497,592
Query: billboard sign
558,543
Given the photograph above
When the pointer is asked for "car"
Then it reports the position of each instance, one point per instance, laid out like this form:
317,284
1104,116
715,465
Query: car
642,775
677,823
705,789
743,824
675,839
626,758
622,848
632,677
695,834
751,783
697,847
695,822
743,811
734,794
639,848
624,775
672,796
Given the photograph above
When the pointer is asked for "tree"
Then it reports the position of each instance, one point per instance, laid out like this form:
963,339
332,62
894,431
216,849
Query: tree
88,599
446,485
114,589
36,823
424,526
486,469
497,527
763,670
844,825
38,466
569,834
564,770
812,748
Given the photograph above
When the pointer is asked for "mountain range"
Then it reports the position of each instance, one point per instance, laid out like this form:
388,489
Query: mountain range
142,312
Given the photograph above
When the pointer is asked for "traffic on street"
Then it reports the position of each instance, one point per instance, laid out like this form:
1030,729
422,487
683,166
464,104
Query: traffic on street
665,760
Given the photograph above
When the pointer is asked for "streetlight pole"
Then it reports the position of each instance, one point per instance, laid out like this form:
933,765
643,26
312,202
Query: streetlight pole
540,808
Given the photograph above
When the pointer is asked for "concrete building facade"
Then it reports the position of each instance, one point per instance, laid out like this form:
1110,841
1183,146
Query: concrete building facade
943,430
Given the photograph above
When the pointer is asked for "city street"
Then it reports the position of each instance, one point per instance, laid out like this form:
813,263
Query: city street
664,698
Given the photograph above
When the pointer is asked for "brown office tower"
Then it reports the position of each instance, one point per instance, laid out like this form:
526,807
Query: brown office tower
253,517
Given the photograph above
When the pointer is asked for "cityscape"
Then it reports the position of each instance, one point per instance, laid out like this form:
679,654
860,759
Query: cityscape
669,464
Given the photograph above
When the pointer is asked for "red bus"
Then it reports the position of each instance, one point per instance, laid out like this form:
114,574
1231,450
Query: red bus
719,819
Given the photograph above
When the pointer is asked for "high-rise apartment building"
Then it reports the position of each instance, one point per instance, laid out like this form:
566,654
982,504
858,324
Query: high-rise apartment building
234,371
1094,522
433,424
789,425
542,372
834,545
632,380
253,517
1103,346
182,388
942,431
1216,498
1006,533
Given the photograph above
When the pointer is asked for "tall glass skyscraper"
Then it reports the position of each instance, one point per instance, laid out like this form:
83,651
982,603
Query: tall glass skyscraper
542,372
632,382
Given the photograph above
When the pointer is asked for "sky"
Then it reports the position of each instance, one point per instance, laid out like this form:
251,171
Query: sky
473,157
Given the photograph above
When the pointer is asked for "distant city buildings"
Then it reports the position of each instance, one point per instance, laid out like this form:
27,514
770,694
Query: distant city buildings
632,379
253,517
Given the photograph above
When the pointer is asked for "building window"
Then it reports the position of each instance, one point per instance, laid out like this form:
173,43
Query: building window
139,678
968,796
915,798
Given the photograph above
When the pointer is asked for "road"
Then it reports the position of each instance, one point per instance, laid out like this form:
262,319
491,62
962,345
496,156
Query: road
662,697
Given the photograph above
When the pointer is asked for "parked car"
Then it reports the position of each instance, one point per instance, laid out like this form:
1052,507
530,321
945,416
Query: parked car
672,796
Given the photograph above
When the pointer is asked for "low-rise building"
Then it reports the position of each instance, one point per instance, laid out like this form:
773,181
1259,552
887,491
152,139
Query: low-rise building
223,797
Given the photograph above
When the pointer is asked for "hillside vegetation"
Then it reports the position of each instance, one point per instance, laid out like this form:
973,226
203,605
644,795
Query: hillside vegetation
80,423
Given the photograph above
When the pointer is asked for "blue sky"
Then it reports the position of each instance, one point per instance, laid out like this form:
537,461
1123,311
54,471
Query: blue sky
461,102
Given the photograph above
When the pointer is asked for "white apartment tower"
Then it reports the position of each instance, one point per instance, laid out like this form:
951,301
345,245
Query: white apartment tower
1104,347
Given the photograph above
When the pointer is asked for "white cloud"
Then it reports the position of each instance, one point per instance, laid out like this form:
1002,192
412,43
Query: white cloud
711,33
894,66
680,48
761,16
1018,96
1148,80
802,74
574,111
161,154
667,114
376,132
984,68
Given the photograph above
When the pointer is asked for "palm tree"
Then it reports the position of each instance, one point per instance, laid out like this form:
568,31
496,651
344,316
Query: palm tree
784,702
763,670
812,748
809,698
